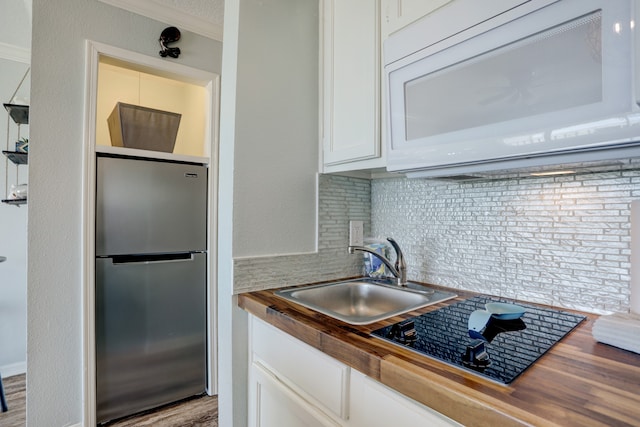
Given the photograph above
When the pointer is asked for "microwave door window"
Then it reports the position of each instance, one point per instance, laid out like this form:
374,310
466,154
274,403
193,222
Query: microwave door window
556,69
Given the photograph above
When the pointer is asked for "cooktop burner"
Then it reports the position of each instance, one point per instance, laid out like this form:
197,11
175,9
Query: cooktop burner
503,350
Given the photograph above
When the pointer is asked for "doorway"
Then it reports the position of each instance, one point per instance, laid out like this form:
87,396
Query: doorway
139,78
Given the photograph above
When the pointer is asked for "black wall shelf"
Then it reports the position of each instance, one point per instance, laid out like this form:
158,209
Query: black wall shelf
19,113
17,157
16,202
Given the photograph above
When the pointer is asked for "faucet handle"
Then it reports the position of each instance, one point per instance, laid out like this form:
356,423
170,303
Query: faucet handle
401,265
396,247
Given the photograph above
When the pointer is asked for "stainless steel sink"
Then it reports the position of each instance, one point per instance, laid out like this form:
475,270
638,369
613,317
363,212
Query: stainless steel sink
364,301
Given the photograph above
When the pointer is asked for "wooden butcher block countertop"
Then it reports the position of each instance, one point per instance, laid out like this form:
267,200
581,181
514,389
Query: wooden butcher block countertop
578,382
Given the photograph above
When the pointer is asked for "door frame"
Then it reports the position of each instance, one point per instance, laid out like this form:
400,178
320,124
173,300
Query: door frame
211,82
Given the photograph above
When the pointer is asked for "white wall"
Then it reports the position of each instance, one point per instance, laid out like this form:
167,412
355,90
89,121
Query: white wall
15,26
13,286
60,28
15,45
276,130
268,160
13,227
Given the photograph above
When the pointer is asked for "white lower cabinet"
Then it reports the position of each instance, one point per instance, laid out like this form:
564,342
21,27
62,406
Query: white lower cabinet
375,405
273,404
291,384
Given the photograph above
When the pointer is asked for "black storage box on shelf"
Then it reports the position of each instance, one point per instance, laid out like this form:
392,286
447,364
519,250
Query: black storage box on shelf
133,126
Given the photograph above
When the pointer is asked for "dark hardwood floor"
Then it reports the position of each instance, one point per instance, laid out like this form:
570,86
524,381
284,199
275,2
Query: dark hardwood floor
196,412
15,392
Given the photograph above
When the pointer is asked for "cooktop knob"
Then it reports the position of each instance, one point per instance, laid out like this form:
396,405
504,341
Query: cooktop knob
476,355
403,333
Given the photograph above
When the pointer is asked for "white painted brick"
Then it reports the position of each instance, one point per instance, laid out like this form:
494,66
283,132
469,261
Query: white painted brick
573,228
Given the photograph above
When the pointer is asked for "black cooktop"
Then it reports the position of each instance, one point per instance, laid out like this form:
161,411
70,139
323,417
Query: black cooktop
507,349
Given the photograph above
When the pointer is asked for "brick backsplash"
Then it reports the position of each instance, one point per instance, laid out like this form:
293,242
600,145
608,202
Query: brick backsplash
340,199
562,241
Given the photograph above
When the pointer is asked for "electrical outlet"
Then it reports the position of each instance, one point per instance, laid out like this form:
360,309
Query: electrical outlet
356,233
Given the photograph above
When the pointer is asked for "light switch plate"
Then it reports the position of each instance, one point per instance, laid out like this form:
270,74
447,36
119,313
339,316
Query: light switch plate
356,233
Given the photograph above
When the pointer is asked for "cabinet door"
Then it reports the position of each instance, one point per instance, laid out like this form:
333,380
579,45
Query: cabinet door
273,404
400,13
351,80
320,379
374,405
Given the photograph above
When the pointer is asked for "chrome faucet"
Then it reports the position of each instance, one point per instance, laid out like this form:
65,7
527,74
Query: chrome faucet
399,270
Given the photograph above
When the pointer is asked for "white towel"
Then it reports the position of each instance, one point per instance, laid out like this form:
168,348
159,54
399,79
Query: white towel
620,330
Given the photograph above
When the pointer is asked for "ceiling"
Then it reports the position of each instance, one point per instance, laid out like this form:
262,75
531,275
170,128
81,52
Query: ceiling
202,17
211,10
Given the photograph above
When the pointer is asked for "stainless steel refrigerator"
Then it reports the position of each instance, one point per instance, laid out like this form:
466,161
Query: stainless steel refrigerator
151,242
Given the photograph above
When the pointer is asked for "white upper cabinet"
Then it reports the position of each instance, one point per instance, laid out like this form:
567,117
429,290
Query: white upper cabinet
397,14
351,69
353,128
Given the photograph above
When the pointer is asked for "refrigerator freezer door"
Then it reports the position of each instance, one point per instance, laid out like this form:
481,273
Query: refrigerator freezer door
145,206
150,333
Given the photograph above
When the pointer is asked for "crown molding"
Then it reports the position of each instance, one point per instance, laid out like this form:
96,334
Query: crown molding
170,15
15,53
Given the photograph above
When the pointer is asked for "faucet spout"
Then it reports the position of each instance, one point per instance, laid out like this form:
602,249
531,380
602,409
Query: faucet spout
399,269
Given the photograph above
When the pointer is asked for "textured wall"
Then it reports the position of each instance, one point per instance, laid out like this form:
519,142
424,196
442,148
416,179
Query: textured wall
276,129
562,241
15,52
56,175
13,229
340,199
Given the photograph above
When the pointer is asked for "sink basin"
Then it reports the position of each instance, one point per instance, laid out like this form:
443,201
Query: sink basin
363,301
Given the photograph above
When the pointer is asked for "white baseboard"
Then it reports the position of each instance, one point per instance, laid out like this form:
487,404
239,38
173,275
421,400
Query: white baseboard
13,369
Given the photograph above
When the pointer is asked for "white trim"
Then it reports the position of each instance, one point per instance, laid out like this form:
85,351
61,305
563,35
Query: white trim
170,15
15,53
212,301
157,66
94,53
133,152
92,56
13,369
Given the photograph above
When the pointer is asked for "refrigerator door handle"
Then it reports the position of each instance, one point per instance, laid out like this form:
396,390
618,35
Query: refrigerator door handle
152,258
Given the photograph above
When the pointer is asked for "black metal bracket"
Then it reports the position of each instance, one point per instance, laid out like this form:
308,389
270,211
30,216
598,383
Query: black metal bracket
169,35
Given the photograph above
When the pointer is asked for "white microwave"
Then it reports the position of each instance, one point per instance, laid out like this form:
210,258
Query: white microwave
533,83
